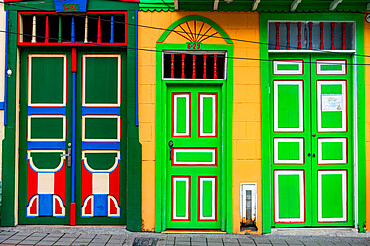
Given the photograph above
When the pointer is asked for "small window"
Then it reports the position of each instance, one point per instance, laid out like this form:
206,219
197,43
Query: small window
194,65
311,35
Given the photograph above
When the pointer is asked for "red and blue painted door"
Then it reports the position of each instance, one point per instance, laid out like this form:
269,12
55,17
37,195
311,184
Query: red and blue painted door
194,157
311,140
70,141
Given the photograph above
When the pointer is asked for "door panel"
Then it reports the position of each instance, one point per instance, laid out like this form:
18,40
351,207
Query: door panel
99,169
44,178
194,167
312,140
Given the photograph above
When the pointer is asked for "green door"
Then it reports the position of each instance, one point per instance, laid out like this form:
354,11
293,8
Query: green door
193,173
64,178
311,140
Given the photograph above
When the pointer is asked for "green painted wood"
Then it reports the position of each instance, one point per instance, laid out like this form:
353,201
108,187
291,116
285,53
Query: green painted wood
101,128
195,172
332,196
289,196
208,108
360,73
44,127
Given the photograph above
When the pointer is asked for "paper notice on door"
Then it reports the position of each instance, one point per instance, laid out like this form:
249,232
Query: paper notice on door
331,102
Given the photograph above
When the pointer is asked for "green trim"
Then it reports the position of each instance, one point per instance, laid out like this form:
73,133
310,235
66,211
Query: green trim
8,146
197,18
266,169
134,158
161,145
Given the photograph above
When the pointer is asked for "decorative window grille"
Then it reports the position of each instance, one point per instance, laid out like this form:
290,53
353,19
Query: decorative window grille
194,65
72,29
311,35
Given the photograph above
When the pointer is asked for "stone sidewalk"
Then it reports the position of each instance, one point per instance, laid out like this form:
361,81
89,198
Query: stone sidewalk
97,236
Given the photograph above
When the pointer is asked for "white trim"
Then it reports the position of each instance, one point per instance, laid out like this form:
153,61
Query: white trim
176,150
30,81
255,4
355,139
174,180
320,173
294,5
319,63
201,115
118,104
117,117
343,83
213,180
287,140
300,105
30,204
300,173
92,170
288,62
29,133
243,204
52,170
331,140
187,123
312,51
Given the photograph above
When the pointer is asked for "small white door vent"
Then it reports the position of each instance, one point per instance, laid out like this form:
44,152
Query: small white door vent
248,204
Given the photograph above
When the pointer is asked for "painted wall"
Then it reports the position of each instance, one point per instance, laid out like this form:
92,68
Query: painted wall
246,104
367,119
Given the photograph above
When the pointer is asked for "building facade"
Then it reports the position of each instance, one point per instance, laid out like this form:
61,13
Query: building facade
289,147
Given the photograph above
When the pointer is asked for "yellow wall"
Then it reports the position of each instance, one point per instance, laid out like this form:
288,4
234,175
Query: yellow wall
367,119
247,165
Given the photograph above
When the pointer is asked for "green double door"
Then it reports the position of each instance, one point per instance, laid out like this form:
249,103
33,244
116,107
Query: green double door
311,141
194,157
72,132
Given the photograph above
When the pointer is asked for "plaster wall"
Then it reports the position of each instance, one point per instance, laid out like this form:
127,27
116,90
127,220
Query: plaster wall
246,156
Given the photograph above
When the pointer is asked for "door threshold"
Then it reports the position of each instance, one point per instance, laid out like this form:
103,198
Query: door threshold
324,231
194,232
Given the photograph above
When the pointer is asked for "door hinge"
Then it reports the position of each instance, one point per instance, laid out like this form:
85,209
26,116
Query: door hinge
269,90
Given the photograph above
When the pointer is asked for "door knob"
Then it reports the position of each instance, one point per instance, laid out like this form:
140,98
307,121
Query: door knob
170,144
309,154
313,134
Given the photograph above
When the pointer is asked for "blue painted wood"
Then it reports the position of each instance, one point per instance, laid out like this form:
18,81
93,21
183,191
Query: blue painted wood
46,110
45,145
45,205
100,145
73,30
100,110
111,29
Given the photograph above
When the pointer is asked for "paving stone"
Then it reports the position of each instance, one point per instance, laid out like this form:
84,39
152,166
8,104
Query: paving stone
198,239
29,242
230,240
182,239
214,240
10,241
247,244
215,244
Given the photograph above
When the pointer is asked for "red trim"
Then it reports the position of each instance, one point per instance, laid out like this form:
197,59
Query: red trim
193,76
321,151
183,66
99,31
114,183
193,165
72,220
32,182
299,36
273,105
172,66
273,70
345,89
214,66
345,67
47,29
28,82
173,111
288,35
277,24
310,36
215,178
204,66
321,35
332,35
344,36
216,111
74,61
172,195
304,196
273,154
317,192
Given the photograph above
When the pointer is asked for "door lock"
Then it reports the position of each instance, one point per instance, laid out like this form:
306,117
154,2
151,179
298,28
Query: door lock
170,144
69,156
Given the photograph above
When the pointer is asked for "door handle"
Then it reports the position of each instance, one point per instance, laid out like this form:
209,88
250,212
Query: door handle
69,156
170,144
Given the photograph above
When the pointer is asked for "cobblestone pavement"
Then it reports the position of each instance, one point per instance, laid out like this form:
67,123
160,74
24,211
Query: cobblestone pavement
97,236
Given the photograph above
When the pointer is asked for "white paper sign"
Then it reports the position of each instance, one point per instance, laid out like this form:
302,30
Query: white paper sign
331,102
